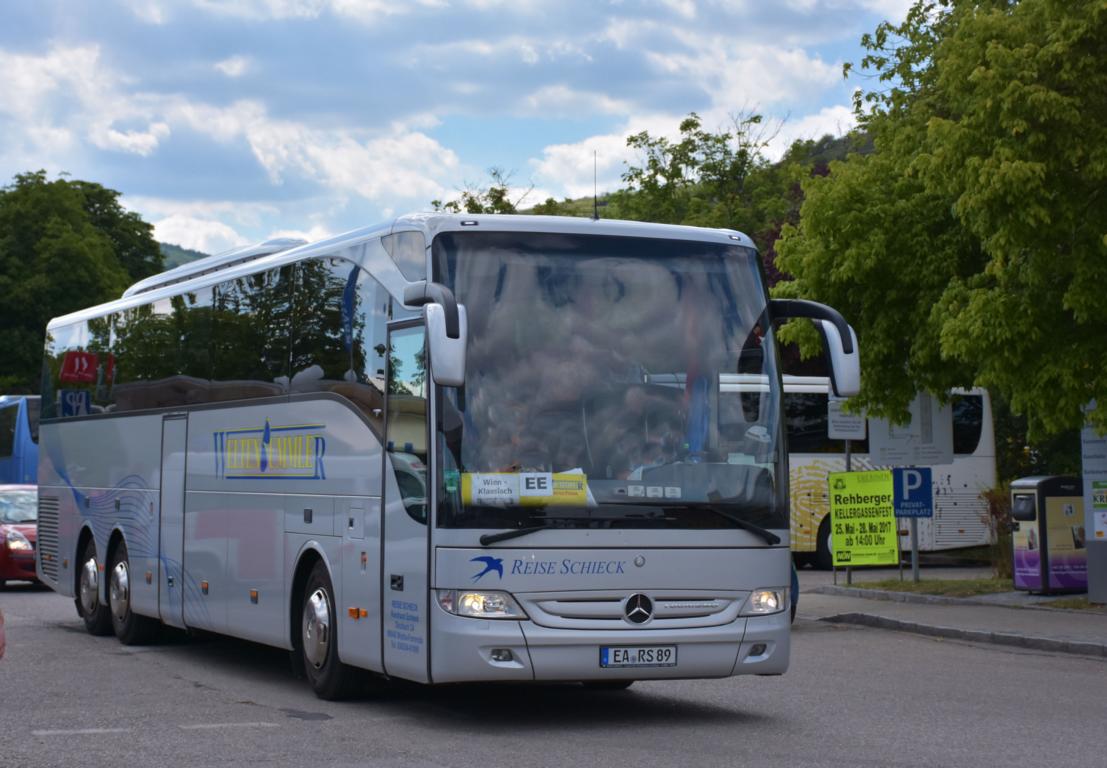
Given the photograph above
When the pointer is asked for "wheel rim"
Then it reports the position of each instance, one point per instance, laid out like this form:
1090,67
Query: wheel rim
120,591
317,628
90,585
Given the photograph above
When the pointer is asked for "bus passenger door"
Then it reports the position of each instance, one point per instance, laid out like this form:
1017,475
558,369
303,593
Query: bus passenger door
174,448
405,597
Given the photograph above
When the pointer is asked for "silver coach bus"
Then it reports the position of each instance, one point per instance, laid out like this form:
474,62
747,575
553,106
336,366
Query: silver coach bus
446,449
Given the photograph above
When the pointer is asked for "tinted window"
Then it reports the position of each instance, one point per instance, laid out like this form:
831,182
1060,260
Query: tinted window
162,353
409,251
340,334
34,410
407,418
251,324
968,422
7,430
78,369
805,417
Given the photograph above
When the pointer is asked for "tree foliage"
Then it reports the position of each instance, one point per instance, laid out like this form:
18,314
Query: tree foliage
971,246
64,245
494,198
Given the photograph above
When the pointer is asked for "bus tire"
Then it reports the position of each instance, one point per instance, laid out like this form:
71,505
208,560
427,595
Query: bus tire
96,616
330,678
129,627
824,555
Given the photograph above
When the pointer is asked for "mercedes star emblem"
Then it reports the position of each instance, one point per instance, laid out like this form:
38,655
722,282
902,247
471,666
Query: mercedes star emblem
638,609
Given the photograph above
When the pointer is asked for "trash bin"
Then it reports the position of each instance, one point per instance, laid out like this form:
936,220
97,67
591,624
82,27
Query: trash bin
1048,534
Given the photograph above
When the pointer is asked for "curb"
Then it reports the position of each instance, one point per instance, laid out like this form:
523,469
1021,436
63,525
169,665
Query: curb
914,597
976,636
895,597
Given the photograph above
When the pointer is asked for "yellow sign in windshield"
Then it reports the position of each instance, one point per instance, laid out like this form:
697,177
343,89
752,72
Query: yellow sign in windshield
862,518
525,489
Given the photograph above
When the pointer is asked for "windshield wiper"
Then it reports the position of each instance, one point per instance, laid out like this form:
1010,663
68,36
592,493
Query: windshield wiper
770,538
492,538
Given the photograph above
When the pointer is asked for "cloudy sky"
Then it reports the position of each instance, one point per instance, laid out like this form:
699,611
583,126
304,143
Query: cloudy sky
224,122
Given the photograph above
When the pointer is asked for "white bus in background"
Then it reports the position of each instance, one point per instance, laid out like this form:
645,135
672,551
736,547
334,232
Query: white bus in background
319,448
960,513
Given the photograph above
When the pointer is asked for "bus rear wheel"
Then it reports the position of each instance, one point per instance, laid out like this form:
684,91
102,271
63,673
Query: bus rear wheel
130,628
329,677
95,614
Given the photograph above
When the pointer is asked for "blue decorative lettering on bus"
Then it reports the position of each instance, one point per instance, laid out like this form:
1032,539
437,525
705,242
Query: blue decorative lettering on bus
271,452
568,566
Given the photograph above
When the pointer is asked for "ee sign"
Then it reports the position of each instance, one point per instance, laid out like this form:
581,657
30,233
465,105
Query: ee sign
914,495
862,522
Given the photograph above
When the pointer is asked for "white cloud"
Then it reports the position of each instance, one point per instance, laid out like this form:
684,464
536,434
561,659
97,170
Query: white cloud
364,11
837,121
206,235
235,66
733,71
67,92
567,170
558,100
149,11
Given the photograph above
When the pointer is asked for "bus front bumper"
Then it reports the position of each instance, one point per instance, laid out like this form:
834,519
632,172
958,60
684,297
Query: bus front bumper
474,650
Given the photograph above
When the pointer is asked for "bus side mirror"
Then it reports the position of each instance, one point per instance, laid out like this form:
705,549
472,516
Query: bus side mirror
841,341
845,367
447,330
447,355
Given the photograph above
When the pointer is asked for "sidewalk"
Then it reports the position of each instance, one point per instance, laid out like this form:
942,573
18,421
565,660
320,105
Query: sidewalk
1006,619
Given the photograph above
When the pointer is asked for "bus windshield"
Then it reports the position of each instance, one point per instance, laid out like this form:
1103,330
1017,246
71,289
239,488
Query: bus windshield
611,382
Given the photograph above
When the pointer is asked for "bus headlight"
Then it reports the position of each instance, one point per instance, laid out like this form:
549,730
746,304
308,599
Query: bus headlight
480,604
17,542
764,601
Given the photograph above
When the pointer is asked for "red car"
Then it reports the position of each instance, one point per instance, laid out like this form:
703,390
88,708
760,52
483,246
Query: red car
18,513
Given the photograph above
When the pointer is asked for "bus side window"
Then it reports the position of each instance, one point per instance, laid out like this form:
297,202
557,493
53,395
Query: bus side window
251,319
7,429
968,423
805,418
341,314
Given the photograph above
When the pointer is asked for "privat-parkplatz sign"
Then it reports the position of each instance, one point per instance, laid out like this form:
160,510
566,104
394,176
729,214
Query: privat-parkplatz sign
912,492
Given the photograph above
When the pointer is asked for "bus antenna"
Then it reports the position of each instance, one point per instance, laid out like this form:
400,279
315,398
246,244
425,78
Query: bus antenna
595,189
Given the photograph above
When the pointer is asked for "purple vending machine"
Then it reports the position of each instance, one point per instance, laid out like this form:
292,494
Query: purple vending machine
1048,534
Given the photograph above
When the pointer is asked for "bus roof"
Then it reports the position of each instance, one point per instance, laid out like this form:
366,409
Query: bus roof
236,264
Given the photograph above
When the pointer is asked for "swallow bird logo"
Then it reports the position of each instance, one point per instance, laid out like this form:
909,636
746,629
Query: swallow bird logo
490,564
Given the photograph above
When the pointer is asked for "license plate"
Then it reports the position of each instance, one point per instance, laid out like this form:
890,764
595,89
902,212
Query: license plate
638,656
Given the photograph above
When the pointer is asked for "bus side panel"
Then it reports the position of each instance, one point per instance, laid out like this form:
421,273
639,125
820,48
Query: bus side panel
104,490
358,520
265,483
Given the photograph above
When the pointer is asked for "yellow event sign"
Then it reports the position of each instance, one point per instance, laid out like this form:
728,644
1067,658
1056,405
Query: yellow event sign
862,518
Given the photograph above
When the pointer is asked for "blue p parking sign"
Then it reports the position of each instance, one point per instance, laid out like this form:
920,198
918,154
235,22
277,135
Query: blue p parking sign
912,493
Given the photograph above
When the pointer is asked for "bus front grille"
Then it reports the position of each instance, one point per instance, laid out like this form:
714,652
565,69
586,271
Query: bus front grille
47,544
607,611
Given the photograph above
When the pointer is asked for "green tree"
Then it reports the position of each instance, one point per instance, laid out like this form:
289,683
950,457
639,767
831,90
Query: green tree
64,245
971,246
495,198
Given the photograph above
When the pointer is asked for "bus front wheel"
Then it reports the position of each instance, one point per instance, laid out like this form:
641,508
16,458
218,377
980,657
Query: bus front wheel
329,678
95,614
